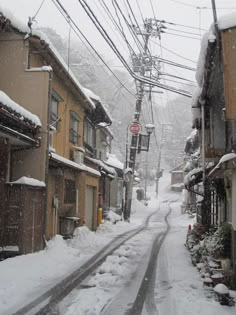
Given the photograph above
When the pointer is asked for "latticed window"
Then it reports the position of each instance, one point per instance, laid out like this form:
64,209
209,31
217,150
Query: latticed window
74,127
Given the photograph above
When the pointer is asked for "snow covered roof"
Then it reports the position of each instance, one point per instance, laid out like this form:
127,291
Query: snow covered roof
113,161
73,164
199,75
96,98
22,28
224,22
18,110
227,21
192,175
225,158
107,169
195,97
90,94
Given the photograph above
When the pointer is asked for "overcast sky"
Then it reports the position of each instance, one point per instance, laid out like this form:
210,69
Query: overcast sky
195,16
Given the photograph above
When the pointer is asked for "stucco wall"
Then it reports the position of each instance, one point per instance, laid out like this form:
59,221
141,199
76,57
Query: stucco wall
30,90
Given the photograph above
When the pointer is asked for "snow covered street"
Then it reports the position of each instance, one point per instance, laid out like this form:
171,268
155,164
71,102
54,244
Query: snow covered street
178,287
175,286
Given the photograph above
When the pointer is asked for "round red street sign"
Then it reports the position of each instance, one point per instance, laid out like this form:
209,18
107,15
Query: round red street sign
135,128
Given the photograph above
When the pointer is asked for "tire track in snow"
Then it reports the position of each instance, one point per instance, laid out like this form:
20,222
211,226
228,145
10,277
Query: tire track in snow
148,279
46,303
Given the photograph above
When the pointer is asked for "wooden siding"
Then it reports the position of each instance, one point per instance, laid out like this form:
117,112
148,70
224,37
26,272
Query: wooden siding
229,62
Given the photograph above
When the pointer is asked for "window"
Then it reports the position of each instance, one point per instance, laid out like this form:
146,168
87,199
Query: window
70,194
74,127
89,135
54,109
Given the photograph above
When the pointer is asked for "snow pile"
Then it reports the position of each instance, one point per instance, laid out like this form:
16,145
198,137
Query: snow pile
113,217
221,289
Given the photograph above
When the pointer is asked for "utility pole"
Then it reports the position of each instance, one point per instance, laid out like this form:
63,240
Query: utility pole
148,30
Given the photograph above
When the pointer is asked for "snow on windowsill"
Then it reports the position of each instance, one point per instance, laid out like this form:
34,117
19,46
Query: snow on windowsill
28,181
40,69
73,164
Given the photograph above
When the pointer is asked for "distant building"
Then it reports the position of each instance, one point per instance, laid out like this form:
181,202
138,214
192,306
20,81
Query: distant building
177,178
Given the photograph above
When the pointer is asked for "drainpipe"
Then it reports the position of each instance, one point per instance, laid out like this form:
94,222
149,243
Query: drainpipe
77,202
203,143
47,155
33,219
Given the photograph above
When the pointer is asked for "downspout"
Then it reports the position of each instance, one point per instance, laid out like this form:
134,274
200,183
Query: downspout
203,143
77,202
47,155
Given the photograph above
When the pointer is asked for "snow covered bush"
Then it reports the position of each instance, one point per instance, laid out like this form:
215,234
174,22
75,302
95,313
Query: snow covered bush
215,243
218,244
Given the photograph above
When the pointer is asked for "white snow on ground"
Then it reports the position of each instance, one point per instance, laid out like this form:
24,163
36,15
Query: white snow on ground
24,277
179,289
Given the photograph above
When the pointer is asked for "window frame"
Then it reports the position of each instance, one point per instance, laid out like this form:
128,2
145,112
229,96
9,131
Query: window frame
55,100
74,134
89,138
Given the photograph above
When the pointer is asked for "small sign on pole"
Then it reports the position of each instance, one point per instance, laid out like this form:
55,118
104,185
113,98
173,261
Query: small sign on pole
135,128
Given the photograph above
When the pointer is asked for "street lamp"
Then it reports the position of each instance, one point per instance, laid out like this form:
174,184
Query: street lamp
149,129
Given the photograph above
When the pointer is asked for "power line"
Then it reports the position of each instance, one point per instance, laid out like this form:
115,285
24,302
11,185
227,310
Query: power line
122,30
40,6
179,82
153,9
66,16
113,46
174,53
130,26
136,21
175,76
198,7
140,10
185,32
175,64
109,24
187,26
103,32
181,35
